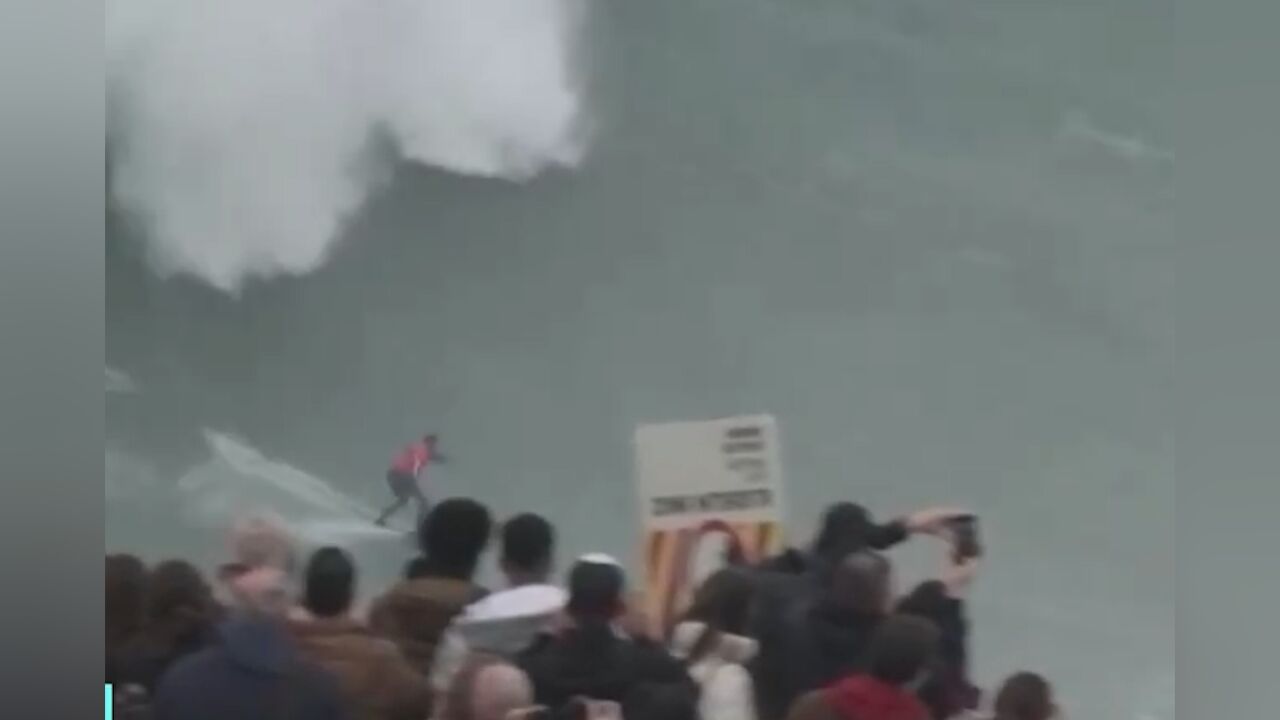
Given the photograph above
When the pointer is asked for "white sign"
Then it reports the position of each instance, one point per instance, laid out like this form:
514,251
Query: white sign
710,492
690,471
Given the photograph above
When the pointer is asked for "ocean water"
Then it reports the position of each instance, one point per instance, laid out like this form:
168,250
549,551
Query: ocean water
934,239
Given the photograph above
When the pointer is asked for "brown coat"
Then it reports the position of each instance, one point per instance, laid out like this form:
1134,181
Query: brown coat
415,613
377,682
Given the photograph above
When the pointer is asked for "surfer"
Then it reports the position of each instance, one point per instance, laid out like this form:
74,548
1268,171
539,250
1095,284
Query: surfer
407,476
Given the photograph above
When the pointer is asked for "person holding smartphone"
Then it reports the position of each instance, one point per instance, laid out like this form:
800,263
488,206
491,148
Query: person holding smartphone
948,690
849,527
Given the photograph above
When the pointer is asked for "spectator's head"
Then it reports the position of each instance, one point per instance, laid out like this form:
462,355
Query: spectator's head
176,590
486,688
528,546
330,583
257,578
596,587
723,604
262,541
126,592
902,649
928,600
453,536
860,584
661,702
498,689
1025,696
430,439
845,529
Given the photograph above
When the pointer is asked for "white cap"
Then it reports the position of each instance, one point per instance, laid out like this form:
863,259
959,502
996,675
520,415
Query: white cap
599,559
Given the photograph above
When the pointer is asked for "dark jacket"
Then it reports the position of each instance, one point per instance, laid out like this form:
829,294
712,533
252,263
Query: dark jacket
599,664
376,680
415,613
252,673
808,648
948,690
147,656
794,561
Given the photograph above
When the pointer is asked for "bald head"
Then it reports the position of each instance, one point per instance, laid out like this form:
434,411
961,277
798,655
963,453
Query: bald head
499,689
860,583
486,688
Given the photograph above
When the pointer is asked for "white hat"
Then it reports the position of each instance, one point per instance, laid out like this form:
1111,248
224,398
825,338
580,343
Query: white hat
599,559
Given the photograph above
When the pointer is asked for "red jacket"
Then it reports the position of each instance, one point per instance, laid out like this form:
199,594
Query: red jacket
412,459
862,697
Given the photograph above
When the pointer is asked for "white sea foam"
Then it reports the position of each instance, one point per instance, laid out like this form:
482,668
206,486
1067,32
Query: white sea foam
239,479
1079,127
240,129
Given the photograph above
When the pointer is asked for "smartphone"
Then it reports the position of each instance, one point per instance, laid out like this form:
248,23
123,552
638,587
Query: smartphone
964,533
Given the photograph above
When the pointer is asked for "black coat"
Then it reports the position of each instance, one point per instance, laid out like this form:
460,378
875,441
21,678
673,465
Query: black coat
597,664
794,561
948,690
252,672
145,659
804,648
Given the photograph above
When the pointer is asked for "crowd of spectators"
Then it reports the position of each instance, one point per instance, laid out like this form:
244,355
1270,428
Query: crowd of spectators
814,633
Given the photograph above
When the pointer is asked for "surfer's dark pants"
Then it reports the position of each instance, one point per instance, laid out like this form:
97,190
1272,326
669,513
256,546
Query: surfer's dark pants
405,488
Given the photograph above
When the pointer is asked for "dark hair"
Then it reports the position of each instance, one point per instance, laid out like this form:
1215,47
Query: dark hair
453,535
723,604
595,591
846,528
595,600
928,600
859,584
180,617
416,567
528,542
1024,696
126,589
330,582
661,701
180,606
901,648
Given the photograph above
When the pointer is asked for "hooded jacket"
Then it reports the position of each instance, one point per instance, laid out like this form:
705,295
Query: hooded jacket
252,672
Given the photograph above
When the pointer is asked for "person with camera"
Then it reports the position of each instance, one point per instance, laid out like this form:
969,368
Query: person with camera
948,691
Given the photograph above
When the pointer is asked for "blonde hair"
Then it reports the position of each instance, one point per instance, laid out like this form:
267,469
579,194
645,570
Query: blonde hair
262,540
258,577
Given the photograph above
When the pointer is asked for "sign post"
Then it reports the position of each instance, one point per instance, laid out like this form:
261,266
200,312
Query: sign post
710,495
